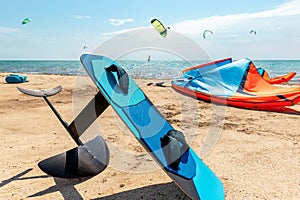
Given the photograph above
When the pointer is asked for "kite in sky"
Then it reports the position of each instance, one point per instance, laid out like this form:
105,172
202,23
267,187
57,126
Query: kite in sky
25,21
205,32
253,32
159,27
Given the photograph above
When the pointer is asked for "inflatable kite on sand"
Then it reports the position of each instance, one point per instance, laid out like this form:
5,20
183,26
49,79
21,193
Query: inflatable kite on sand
237,84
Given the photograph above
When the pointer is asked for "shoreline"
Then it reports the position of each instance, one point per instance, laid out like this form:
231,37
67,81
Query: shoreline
3,74
256,156
73,75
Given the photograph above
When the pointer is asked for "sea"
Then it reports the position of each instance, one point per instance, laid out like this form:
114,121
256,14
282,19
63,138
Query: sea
155,69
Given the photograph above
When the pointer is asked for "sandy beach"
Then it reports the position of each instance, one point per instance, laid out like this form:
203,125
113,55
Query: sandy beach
256,155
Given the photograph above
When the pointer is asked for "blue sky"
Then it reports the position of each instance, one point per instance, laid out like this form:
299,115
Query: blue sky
60,28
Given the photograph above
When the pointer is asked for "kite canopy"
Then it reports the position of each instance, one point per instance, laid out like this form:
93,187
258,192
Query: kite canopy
276,80
25,21
205,32
253,32
236,84
159,27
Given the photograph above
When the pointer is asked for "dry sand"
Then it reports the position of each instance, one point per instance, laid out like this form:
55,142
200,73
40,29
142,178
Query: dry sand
257,155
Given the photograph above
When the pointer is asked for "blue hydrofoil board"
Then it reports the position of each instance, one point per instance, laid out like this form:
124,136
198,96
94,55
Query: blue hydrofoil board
149,127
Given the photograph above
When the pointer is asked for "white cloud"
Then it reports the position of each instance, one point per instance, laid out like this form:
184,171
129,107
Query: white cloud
276,29
6,30
238,22
111,34
288,9
81,17
119,22
9,34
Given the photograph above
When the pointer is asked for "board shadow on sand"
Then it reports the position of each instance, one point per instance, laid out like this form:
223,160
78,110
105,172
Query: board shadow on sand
18,177
157,191
65,186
